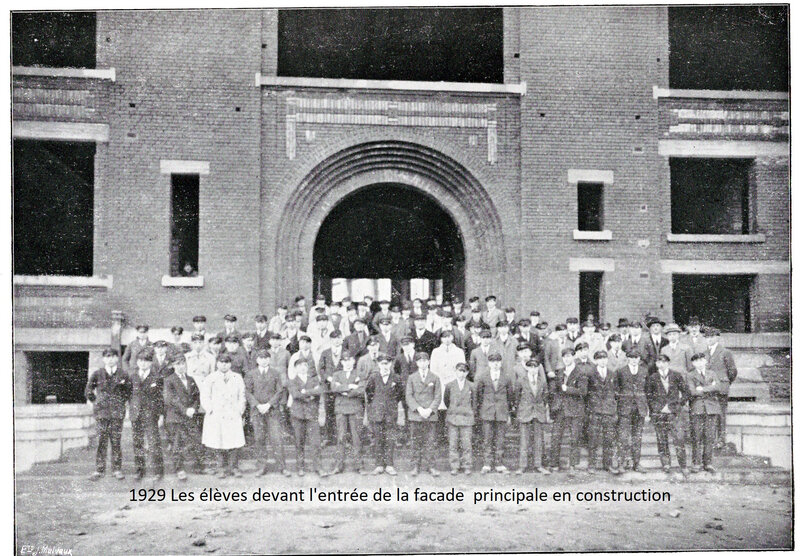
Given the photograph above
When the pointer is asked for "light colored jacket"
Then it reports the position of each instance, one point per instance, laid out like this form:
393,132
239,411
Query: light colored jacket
224,403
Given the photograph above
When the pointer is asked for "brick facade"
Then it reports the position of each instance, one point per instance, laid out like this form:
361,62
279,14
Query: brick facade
185,89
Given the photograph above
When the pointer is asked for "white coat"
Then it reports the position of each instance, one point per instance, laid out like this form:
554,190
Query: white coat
224,404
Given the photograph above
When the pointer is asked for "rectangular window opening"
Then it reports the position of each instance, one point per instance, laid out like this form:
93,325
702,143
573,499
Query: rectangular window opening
54,39
58,376
729,48
185,217
721,301
53,185
712,196
589,293
590,207
415,44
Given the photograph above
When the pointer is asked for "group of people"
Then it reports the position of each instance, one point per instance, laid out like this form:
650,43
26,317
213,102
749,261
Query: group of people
383,373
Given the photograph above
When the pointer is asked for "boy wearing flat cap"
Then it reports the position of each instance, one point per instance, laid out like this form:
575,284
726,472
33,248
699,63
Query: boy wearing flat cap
146,406
383,392
602,406
704,388
181,404
349,410
423,395
494,394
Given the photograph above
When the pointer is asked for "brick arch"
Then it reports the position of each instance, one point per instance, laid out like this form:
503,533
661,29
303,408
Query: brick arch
413,165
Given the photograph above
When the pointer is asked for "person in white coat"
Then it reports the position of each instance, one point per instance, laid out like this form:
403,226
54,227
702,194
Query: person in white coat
224,402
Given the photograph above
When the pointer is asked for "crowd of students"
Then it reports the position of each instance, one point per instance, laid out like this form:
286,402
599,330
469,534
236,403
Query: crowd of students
381,373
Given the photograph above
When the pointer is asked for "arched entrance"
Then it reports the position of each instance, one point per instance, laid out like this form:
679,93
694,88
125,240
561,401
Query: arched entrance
389,231
427,176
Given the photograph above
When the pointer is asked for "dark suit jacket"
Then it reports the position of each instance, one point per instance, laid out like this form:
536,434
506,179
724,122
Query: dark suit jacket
426,342
603,393
645,352
262,342
571,401
279,360
305,406
460,403
348,402
404,368
469,345
494,404
390,347
327,367
427,394
109,393
268,388
293,346
177,398
382,398
676,398
147,398
534,341
705,402
632,391
357,347
128,360
723,365
532,404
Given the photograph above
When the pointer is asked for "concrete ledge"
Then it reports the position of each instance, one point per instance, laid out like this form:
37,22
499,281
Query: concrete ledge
596,176
579,264
64,338
704,266
60,131
723,149
658,92
716,238
87,73
67,281
45,432
582,235
762,340
762,430
182,281
201,167
379,84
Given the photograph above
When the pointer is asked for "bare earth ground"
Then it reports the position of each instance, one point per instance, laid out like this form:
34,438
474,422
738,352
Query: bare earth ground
57,507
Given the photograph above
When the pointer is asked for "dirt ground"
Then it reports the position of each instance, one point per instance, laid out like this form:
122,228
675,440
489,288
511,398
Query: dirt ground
57,507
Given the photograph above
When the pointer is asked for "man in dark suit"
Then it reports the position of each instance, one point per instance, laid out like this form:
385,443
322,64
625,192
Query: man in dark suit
262,332
388,342
423,395
494,394
383,392
181,403
638,342
356,343
404,367
109,389
602,406
132,350
653,344
553,345
330,362
146,406
632,409
567,408
479,358
531,401
162,364
349,410
704,387
306,390
459,398
667,394
265,391
424,340
527,336
721,363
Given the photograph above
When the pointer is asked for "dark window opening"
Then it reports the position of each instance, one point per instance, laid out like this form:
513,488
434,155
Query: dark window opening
729,47
58,376
589,292
53,207
54,39
420,44
590,207
711,196
721,301
185,244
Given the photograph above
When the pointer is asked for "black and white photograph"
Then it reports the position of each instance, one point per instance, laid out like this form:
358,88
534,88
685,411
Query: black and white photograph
399,279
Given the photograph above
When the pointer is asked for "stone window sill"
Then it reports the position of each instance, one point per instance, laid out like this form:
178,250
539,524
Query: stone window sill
604,235
65,281
182,281
716,238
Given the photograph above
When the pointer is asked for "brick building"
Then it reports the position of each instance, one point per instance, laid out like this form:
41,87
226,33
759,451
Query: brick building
578,180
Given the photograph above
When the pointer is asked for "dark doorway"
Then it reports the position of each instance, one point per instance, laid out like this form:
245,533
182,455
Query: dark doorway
389,231
589,295
721,301
58,375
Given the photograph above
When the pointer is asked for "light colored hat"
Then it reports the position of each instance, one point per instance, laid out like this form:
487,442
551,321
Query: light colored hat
671,327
